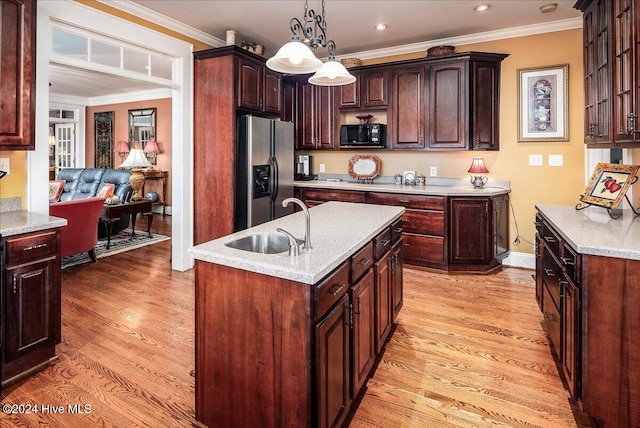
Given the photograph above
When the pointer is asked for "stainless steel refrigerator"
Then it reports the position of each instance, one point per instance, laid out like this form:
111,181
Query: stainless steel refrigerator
264,170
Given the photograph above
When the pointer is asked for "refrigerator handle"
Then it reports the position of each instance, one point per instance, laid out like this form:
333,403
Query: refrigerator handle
274,177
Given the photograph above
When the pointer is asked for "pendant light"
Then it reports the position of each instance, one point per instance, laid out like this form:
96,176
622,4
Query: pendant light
295,57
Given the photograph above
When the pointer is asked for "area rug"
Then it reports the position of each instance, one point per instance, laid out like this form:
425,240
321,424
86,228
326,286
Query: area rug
120,243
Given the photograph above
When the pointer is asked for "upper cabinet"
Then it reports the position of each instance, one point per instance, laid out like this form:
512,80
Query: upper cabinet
17,74
611,32
370,90
259,88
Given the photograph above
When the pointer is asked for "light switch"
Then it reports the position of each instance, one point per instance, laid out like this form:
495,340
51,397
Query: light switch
535,160
433,171
555,160
321,167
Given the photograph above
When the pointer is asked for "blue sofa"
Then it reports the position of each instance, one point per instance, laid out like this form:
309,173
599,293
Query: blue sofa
81,183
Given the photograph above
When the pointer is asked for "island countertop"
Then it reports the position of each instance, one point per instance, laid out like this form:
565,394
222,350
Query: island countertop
428,190
18,222
338,230
592,231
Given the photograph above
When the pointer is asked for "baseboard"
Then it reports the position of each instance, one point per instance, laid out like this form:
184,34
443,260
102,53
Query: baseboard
520,260
157,209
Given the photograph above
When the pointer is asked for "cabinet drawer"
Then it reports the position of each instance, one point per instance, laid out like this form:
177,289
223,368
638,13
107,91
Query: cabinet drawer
408,201
30,247
334,195
382,243
329,291
571,261
396,231
551,276
427,248
361,262
551,239
424,222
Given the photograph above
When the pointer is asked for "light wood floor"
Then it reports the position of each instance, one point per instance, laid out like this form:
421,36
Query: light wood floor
469,351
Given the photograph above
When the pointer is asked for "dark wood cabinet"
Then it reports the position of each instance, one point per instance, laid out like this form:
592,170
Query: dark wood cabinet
447,99
383,299
406,116
259,89
30,318
368,91
363,343
397,263
315,122
17,74
500,226
611,35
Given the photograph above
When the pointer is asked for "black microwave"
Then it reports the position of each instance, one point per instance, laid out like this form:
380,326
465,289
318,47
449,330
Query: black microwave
368,135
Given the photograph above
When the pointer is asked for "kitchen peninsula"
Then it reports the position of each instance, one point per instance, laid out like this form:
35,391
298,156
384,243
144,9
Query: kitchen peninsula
588,288
290,340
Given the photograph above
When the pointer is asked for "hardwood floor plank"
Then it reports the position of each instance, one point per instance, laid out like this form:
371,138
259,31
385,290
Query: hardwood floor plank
468,351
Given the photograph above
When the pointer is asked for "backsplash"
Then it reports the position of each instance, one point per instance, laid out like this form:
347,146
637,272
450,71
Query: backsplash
429,181
10,204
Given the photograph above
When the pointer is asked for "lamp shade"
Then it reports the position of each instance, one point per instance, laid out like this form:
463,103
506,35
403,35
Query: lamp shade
332,73
477,166
151,147
122,147
52,140
136,159
294,57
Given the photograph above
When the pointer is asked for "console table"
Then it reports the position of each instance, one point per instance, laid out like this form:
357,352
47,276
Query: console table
160,176
112,213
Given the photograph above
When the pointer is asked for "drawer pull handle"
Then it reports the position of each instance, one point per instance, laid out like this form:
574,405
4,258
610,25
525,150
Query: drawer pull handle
537,223
404,201
385,242
550,239
404,220
568,261
549,272
332,195
34,247
404,244
398,230
15,288
335,289
364,261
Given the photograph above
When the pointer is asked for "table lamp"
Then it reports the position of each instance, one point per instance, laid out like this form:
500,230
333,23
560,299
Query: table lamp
477,167
122,148
136,161
152,150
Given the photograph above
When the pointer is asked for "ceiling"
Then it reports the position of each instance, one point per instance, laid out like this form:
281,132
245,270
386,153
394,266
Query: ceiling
350,23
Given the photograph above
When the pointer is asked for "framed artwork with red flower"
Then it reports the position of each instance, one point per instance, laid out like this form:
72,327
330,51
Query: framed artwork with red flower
608,184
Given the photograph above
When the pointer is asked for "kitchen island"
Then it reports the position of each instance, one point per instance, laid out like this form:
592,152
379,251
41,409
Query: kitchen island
588,289
290,340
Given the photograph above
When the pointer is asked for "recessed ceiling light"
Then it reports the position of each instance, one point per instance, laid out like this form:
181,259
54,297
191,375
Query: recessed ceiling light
550,7
381,26
482,7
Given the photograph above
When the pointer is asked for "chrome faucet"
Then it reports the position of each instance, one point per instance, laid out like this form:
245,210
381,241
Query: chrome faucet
307,233
293,243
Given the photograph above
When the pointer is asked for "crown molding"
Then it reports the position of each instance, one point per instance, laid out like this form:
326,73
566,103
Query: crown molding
163,20
488,36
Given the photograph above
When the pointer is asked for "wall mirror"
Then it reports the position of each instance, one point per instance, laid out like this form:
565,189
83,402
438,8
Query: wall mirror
142,128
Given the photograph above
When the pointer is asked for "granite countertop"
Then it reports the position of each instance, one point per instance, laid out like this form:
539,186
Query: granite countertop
592,231
338,230
17,222
428,189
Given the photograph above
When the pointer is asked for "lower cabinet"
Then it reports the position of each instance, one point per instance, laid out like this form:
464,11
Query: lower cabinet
362,338
30,317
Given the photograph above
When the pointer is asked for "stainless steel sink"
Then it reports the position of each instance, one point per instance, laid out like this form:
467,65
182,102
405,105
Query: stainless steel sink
265,243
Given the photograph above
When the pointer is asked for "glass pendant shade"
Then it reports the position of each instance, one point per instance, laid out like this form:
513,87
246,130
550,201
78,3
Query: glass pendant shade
332,73
294,58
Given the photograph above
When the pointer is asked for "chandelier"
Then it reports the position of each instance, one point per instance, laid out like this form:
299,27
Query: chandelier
295,57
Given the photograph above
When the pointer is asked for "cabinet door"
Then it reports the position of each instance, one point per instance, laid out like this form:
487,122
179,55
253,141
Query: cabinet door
396,275
272,90
363,349
625,81
383,299
470,238
32,299
349,95
374,86
332,363
485,105
448,98
17,74
306,117
407,121
571,336
500,226
249,85
324,117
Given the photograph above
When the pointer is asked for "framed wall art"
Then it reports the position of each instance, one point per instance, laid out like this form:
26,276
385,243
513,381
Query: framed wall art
103,123
608,184
543,102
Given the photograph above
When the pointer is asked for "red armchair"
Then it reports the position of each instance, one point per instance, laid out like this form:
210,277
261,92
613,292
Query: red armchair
81,232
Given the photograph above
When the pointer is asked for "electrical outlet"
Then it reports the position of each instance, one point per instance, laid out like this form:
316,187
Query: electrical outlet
535,160
433,171
555,160
4,165
321,167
